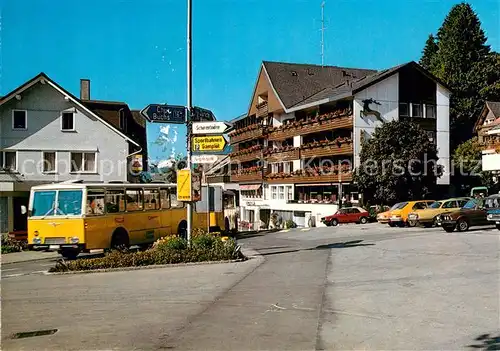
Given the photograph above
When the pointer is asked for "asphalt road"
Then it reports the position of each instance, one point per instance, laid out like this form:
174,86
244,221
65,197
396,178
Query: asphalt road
349,287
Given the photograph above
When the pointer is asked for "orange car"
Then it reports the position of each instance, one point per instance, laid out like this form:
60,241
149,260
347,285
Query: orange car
399,216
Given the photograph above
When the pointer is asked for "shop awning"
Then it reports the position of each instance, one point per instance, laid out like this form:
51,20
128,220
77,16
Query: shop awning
250,187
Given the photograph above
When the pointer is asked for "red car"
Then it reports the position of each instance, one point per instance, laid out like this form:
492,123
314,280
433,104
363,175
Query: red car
347,215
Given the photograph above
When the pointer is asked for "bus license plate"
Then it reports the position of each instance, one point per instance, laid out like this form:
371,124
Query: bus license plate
54,247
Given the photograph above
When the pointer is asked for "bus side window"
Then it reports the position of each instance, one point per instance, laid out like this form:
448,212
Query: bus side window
95,202
151,199
115,200
135,200
173,199
164,199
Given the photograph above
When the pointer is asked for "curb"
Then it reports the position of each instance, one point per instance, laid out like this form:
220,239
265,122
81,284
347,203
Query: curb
136,268
33,260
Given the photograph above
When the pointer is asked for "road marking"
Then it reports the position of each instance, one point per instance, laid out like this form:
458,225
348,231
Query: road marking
37,272
305,229
13,275
9,269
284,231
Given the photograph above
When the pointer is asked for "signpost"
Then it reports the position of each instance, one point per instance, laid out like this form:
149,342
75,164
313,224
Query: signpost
209,143
156,113
201,114
204,158
184,185
210,127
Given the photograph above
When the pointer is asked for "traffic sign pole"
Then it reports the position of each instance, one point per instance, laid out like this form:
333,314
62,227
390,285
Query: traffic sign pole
189,213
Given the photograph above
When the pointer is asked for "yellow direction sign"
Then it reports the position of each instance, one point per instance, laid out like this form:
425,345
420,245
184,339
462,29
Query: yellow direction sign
208,143
184,185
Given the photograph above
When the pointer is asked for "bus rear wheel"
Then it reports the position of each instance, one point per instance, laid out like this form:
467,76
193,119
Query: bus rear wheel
182,230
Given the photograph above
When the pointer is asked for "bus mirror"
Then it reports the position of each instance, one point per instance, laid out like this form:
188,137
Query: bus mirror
23,209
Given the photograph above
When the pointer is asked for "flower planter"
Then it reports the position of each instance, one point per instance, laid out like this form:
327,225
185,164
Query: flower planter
311,127
322,178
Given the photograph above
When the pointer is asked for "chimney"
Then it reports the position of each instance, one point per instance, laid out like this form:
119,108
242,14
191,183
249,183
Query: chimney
84,89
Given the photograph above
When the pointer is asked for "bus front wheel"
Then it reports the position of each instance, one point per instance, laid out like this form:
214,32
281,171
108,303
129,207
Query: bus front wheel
69,254
120,240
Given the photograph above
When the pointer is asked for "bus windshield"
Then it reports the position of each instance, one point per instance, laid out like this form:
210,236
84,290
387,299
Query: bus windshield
69,203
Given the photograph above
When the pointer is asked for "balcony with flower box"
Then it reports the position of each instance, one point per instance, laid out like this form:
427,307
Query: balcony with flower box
324,122
248,154
246,133
339,146
282,154
247,174
262,109
334,174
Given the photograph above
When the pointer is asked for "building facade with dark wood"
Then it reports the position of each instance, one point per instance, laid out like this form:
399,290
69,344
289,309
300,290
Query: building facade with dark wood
295,150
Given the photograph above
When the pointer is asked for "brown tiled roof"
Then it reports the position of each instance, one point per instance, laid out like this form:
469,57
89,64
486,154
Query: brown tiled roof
352,86
494,107
295,83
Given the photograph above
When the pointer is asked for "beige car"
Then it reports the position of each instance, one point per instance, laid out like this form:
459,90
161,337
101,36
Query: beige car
427,216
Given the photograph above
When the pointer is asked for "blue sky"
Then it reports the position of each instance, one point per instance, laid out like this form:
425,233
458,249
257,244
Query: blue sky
134,51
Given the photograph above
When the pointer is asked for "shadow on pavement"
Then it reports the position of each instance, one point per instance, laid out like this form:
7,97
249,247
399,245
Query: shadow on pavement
279,252
486,342
343,245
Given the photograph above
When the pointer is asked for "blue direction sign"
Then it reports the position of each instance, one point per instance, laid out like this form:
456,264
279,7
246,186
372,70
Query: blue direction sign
199,114
165,113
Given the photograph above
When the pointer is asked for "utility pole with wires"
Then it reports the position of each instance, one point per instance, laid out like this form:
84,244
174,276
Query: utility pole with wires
323,33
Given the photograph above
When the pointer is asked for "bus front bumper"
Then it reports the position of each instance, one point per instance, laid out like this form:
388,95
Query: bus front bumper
56,247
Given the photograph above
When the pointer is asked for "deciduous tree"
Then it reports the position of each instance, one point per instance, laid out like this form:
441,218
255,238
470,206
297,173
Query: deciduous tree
397,163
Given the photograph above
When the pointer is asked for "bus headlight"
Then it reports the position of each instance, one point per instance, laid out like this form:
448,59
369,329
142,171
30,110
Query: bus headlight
490,216
37,241
74,240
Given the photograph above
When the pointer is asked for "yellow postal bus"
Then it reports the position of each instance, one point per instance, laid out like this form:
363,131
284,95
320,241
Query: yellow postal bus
74,217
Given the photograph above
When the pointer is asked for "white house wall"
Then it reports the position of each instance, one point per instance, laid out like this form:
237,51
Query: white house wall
443,132
490,161
386,93
44,106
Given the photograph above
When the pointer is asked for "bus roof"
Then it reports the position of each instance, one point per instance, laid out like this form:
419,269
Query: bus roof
83,185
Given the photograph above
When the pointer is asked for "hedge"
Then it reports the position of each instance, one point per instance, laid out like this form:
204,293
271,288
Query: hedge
167,250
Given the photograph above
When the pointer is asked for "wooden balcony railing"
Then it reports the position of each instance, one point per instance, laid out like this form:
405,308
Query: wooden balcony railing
262,109
321,178
239,136
247,177
309,127
247,157
218,179
330,150
283,156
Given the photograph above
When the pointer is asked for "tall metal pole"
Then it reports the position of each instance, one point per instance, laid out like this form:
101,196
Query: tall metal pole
188,114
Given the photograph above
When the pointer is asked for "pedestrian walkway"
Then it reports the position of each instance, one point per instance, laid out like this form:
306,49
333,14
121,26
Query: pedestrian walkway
24,256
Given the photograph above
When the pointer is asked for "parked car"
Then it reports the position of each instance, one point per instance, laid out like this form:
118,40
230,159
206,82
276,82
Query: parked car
492,205
375,210
472,214
347,215
399,216
428,216
383,217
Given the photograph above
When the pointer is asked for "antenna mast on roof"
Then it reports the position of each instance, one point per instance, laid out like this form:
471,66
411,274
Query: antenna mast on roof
322,33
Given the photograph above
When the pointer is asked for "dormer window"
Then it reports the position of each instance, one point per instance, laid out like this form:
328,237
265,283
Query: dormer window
68,122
